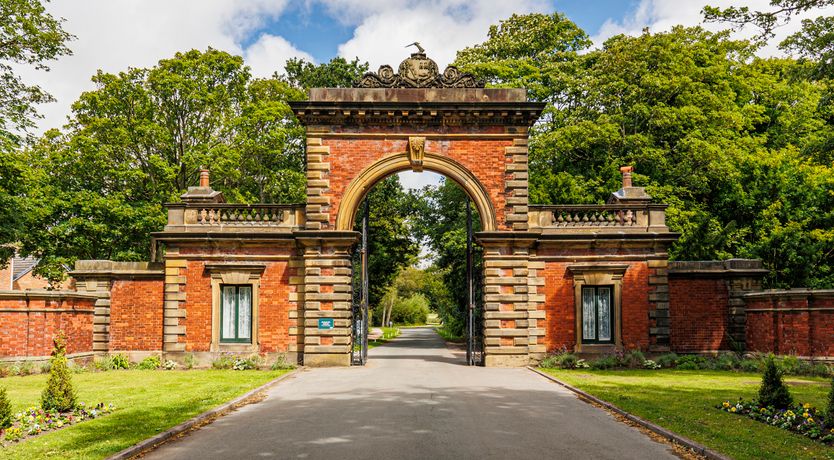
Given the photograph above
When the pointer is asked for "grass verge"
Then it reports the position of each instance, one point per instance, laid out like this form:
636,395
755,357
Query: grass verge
448,335
684,402
388,333
147,402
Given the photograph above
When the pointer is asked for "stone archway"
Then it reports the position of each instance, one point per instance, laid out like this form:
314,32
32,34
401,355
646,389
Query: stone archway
386,166
418,119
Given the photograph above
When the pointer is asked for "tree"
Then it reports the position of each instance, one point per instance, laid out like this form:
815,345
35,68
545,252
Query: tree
829,407
5,410
773,392
440,219
391,244
338,73
29,36
59,394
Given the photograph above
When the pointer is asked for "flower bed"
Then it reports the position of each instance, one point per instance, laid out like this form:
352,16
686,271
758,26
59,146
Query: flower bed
803,419
34,421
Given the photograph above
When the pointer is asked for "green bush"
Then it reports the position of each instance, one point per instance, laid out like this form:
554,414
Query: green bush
690,362
5,371
120,361
773,392
667,361
244,364
550,362
190,361
411,310
820,370
59,394
727,361
607,362
150,363
45,367
829,408
281,364
634,359
169,365
5,409
223,362
750,365
27,368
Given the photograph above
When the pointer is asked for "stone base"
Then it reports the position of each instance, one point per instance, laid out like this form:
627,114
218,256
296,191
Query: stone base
506,360
327,359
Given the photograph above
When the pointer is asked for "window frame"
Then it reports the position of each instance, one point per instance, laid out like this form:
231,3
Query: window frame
595,288
237,339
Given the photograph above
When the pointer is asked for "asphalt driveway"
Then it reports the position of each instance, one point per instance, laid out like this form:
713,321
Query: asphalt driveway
416,399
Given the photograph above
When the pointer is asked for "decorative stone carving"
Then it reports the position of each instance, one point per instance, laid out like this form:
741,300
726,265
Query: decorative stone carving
418,71
416,151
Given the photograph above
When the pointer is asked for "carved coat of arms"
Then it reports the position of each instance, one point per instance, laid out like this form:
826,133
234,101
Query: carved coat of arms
418,71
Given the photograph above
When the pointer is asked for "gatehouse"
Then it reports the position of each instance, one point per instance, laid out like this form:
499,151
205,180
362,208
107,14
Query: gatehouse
278,279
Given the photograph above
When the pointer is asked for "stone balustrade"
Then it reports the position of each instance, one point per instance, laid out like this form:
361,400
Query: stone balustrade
234,217
598,218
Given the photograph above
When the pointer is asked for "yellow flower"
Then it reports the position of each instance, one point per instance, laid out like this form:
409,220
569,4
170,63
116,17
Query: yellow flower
806,415
726,404
810,420
763,410
807,405
732,409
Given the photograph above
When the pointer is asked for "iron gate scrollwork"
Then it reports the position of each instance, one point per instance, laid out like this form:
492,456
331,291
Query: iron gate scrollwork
360,317
475,305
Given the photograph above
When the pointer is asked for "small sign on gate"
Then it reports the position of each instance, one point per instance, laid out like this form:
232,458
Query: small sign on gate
325,323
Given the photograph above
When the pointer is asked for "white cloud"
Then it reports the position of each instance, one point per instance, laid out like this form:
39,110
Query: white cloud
112,35
442,27
269,53
416,180
662,15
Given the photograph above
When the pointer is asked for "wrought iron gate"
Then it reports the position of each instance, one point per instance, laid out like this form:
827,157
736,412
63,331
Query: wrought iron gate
359,345
474,313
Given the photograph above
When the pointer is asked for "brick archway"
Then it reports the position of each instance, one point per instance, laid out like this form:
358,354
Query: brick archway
365,180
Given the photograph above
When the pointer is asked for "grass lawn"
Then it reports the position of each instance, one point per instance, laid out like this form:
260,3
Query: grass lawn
388,333
683,401
147,402
448,335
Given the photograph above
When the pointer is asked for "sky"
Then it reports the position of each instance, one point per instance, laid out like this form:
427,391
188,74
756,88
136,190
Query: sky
112,35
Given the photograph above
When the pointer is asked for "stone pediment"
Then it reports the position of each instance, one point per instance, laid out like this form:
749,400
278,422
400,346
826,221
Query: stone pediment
419,71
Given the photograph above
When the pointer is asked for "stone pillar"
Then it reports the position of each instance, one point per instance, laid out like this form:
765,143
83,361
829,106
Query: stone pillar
511,329
318,183
659,329
327,294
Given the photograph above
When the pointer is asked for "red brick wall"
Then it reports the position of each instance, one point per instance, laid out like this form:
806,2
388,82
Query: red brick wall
30,329
486,159
136,314
273,305
698,310
791,323
560,308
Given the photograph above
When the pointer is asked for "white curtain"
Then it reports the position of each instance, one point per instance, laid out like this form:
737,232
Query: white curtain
604,313
244,320
228,315
588,324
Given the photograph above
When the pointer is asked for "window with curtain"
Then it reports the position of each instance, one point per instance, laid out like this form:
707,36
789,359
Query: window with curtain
597,314
236,314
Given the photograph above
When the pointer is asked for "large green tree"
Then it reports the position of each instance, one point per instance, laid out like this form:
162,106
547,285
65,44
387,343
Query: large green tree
29,36
138,140
337,73
701,118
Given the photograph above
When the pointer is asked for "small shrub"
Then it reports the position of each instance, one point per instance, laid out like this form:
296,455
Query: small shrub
190,361
223,362
281,364
120,361
821,370
750,365
27,368
667,361
45,367
727,361
550,362
829,408
773,392
169,365
59,394
14,369
690,363
79,368
634,359
607,362
649,364
4,371
5,410
150,363
244,364
104,363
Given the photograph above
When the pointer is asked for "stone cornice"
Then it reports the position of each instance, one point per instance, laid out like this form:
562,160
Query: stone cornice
339,113
42,294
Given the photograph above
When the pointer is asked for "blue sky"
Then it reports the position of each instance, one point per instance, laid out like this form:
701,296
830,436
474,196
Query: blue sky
313,29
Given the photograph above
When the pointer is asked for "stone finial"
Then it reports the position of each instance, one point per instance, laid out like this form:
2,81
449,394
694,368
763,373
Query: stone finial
204,178
626,171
